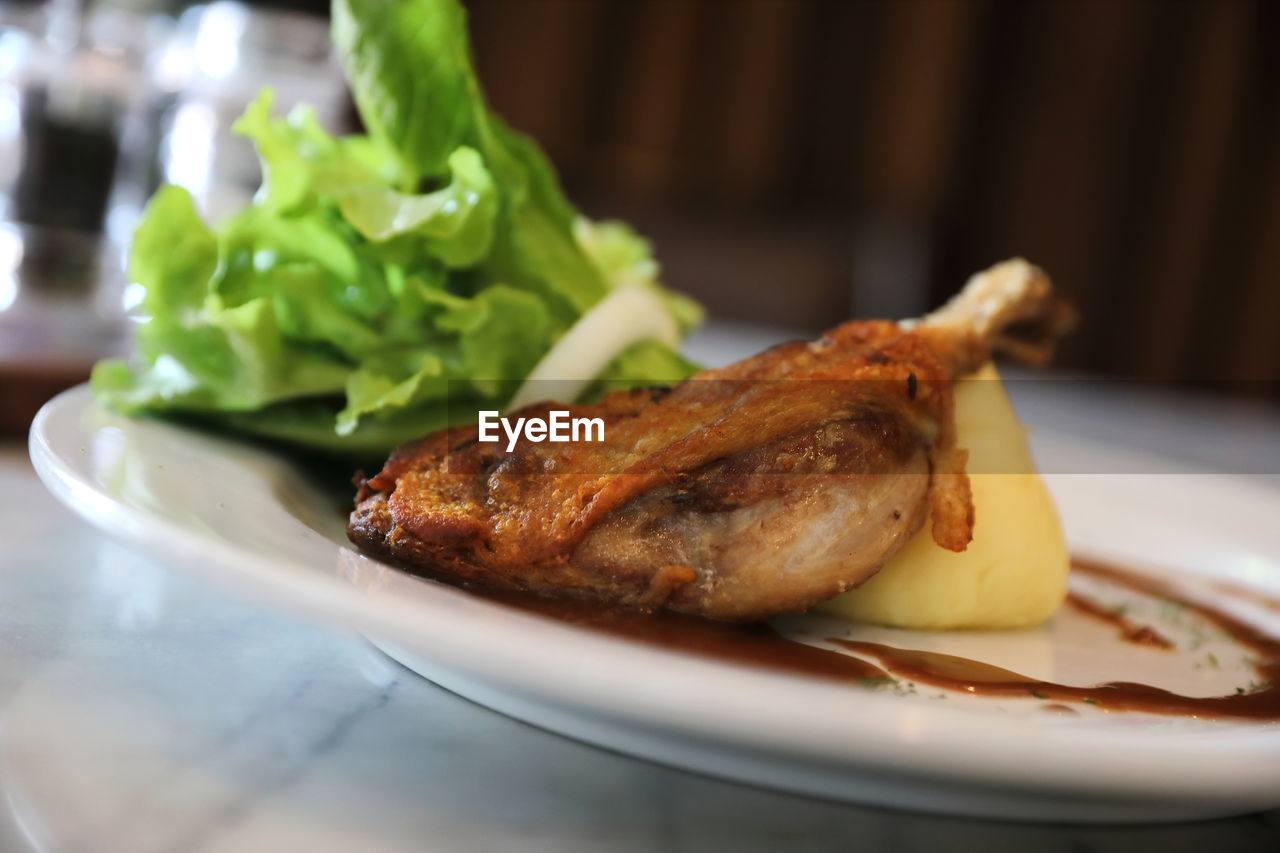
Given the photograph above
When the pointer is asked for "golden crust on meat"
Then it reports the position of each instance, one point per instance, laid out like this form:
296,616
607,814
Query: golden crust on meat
470,511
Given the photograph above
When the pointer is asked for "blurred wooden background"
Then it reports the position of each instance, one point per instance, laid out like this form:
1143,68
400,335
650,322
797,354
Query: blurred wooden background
798,161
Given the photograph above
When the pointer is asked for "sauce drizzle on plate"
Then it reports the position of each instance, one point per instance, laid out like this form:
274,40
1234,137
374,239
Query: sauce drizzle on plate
761,646
755,645
981,679
1139,635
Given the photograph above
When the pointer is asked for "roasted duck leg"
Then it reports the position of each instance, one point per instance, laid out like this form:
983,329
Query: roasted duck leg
744,492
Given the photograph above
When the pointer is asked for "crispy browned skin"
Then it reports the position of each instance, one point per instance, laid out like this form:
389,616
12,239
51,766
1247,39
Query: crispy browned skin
760,488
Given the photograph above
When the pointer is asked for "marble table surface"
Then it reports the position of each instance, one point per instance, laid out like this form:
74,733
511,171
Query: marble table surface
142,710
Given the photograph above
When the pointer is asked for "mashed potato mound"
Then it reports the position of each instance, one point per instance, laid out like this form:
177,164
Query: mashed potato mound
1014,572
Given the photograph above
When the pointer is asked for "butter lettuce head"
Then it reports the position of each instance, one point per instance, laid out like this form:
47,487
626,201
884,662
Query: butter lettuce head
380,285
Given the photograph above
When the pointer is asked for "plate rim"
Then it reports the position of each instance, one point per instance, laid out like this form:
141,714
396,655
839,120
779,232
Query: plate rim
920,740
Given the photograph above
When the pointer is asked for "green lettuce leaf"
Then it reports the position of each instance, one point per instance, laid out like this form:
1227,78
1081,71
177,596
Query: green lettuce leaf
300,159
455,222
409,66
640,365
380,285
624,257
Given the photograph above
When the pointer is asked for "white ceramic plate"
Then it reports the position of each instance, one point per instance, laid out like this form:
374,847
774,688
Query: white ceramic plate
238,515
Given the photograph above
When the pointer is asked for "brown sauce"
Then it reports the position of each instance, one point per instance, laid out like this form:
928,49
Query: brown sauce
760,646
981,679
1249,595
1139,635
756,645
